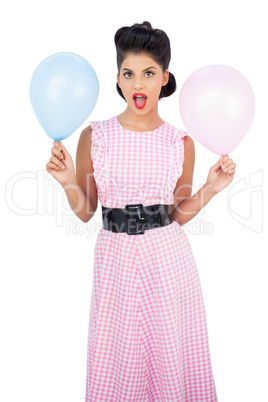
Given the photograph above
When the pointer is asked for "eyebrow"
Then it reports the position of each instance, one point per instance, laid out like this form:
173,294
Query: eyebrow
148,68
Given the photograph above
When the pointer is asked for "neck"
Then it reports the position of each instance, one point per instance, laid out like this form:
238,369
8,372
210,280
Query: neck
145,122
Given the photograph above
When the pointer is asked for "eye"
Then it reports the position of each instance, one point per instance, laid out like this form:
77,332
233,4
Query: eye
149,74
127,75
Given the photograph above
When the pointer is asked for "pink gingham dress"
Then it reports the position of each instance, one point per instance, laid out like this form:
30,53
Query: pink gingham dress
147,335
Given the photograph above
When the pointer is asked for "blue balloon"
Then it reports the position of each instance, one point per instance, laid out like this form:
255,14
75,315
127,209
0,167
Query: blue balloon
64,90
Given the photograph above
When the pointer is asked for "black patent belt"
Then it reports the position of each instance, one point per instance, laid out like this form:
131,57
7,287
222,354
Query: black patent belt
135,218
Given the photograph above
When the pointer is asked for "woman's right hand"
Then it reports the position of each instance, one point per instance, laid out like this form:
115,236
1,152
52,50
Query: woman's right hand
61,165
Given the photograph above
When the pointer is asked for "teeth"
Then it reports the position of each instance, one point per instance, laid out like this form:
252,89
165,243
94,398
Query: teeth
138,96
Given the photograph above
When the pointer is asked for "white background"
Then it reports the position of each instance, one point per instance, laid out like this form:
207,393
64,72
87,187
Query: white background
47,253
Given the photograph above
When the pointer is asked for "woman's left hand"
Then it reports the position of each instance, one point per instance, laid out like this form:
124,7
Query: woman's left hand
221,174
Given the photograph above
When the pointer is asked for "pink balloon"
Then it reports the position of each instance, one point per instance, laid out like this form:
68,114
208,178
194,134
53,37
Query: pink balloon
217,106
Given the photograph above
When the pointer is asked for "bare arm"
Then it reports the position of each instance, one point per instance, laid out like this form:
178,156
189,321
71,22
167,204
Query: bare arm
81,190
220,175
185,206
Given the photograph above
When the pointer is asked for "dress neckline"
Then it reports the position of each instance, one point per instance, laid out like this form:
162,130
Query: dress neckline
131,131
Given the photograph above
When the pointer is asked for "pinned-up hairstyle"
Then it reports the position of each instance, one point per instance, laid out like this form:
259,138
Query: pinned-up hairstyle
142,38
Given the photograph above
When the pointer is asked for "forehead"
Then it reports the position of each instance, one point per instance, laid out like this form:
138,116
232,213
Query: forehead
139,61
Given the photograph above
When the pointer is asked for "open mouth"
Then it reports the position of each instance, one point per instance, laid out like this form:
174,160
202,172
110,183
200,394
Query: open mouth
139,100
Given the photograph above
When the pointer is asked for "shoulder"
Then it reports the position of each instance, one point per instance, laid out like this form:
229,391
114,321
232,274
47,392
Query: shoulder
184,136
188,143
85,135
84,143
189,150
100,124
185,144
86,132
100,129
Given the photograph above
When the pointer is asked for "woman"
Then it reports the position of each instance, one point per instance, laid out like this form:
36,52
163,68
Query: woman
147,337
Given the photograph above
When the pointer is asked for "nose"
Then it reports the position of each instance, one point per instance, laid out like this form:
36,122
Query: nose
138,84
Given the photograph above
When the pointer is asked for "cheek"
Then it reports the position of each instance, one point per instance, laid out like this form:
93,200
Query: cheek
125,86
157,88
157,85
124,89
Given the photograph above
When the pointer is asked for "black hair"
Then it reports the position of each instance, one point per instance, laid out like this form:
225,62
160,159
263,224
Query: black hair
142,38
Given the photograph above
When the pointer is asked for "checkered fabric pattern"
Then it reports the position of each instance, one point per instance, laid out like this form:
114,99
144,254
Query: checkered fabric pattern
147,335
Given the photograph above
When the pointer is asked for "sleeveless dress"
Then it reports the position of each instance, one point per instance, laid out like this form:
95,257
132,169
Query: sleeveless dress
147,334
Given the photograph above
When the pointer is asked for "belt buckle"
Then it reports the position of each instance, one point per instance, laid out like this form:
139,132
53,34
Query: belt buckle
138,214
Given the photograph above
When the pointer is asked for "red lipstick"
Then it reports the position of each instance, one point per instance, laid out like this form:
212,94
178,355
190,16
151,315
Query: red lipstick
139,100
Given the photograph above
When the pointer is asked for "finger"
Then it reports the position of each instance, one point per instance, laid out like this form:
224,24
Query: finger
57,145
225,158
56,152
229,165
57,162
51,166
226,163
64,150
217,166
232,171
